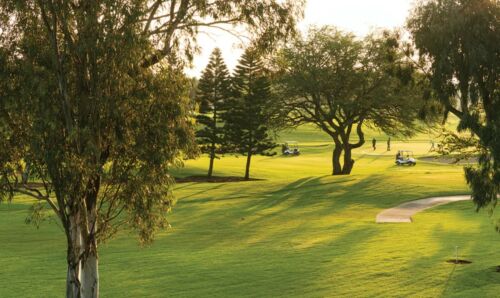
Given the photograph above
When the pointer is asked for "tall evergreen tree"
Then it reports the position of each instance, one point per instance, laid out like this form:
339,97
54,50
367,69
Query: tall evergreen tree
248,120
213,90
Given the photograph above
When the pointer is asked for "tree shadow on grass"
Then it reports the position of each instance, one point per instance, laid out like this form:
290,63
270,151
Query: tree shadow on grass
289,206
331,193
327,200
214,179
215,187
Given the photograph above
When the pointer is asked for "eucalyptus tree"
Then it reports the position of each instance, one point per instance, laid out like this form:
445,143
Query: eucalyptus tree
214,89
248,119
459,41
343,84
93,95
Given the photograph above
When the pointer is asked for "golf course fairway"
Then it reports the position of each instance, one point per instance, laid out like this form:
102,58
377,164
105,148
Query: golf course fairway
297,232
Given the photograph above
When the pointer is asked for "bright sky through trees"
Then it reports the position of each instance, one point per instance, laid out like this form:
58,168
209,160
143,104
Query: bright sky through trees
358,16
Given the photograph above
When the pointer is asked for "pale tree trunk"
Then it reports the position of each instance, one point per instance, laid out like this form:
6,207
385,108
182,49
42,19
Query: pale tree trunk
83,274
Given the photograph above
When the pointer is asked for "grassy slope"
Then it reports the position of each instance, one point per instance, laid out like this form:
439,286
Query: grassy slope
300,232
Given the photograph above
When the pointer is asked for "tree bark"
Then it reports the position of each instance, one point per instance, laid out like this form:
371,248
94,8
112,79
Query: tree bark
212,157
83,271
247,169
214,137
83,278
348,161
337,152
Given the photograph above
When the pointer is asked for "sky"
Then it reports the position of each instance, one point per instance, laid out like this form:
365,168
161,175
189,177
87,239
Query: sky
357,16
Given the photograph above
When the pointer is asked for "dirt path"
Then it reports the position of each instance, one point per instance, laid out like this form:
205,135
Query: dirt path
403,212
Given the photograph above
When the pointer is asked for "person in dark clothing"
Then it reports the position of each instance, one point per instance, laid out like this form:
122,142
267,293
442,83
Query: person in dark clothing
374,144
389,144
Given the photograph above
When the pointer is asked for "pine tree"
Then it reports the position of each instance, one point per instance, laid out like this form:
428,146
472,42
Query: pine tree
213,90
247,122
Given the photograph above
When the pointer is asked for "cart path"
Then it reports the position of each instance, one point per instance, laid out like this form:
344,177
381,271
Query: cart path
403,212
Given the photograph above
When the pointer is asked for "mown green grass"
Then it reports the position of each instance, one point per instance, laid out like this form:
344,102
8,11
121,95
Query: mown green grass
299,232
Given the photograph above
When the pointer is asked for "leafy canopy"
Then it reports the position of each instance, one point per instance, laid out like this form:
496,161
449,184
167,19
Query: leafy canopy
94,99
340,84
460,41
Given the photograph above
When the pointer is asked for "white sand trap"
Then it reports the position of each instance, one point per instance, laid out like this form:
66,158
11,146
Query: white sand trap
403,212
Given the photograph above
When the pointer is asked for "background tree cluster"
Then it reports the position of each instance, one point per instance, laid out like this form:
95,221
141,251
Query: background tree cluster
236,111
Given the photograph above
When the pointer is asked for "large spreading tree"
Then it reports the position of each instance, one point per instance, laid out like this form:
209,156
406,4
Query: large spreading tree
343,84
249,116
460,42
94,100
214,89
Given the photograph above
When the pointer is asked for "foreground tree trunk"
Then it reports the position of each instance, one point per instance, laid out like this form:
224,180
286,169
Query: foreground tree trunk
83,278
83,262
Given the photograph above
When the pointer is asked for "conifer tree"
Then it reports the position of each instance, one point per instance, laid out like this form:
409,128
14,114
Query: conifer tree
248,119
213,90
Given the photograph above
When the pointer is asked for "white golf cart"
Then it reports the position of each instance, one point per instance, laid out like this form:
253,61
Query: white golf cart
290,148
405,157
